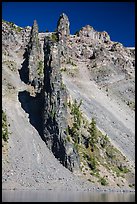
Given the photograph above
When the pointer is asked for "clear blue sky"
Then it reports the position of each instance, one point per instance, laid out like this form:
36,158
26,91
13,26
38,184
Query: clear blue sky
117,18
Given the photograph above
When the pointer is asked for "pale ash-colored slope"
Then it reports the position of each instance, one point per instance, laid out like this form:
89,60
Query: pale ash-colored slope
118,121
31,164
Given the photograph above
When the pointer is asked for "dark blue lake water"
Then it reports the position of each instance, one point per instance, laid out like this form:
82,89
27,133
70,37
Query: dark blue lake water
53,196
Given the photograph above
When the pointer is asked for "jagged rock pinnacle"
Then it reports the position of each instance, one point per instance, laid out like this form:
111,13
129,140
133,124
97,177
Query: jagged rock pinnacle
63,33
34,36
34,51
63,25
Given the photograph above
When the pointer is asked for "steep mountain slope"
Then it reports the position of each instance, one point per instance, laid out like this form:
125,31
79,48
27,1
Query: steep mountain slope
102,74
91,67
113,116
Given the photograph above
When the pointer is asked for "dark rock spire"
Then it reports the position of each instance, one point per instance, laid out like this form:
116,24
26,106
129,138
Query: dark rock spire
55,108
34,52
63,26
63,32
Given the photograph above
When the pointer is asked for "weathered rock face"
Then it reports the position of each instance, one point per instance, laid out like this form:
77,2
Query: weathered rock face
63,26
55,108
63,32
34,54
14,38
32,68
106,60
88,31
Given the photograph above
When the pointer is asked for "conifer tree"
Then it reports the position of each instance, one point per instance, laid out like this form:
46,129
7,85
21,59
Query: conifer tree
93,133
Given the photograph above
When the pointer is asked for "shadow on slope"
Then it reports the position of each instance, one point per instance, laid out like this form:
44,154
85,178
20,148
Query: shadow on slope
24,71
33,106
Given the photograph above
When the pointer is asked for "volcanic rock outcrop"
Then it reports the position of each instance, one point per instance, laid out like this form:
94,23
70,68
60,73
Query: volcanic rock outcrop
63,33
55,108
34,53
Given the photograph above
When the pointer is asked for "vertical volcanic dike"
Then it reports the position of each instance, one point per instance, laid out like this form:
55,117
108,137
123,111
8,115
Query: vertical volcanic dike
55,109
